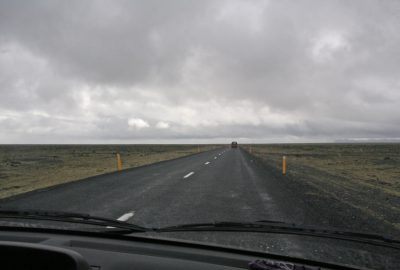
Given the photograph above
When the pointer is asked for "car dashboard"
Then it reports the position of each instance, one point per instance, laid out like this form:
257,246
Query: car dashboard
27,249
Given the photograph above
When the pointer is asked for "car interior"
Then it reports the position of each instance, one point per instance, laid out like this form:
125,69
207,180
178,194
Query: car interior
72,250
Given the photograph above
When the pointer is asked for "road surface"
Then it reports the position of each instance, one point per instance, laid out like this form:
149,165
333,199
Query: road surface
222,184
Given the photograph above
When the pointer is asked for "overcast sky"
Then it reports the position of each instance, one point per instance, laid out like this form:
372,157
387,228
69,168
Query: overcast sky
199,71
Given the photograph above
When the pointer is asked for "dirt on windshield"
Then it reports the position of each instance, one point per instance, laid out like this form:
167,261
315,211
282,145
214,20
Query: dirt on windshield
365,177
25,168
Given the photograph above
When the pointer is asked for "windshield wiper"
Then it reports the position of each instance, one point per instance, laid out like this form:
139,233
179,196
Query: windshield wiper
70,217
261,226
278,227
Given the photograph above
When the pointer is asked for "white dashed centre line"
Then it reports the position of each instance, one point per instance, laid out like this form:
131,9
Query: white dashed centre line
215,157
126,216
188,175
208,162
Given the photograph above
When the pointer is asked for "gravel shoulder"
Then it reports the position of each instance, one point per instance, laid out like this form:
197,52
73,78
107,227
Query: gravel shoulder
338,185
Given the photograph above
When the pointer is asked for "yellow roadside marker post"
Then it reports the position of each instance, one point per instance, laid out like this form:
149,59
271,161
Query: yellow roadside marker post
119,162
284,165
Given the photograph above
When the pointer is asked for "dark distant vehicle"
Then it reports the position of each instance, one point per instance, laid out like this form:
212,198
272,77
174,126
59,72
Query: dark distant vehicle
234,145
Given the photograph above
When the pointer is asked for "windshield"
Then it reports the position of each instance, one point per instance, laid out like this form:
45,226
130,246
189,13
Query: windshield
169,113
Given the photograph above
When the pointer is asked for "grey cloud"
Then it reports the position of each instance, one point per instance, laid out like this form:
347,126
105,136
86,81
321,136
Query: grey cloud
110,43
268,70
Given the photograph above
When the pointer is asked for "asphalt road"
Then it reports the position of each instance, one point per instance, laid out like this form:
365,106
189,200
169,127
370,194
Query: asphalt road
220,185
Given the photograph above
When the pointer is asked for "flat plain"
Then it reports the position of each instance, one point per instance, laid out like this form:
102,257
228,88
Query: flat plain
363,177
25,168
